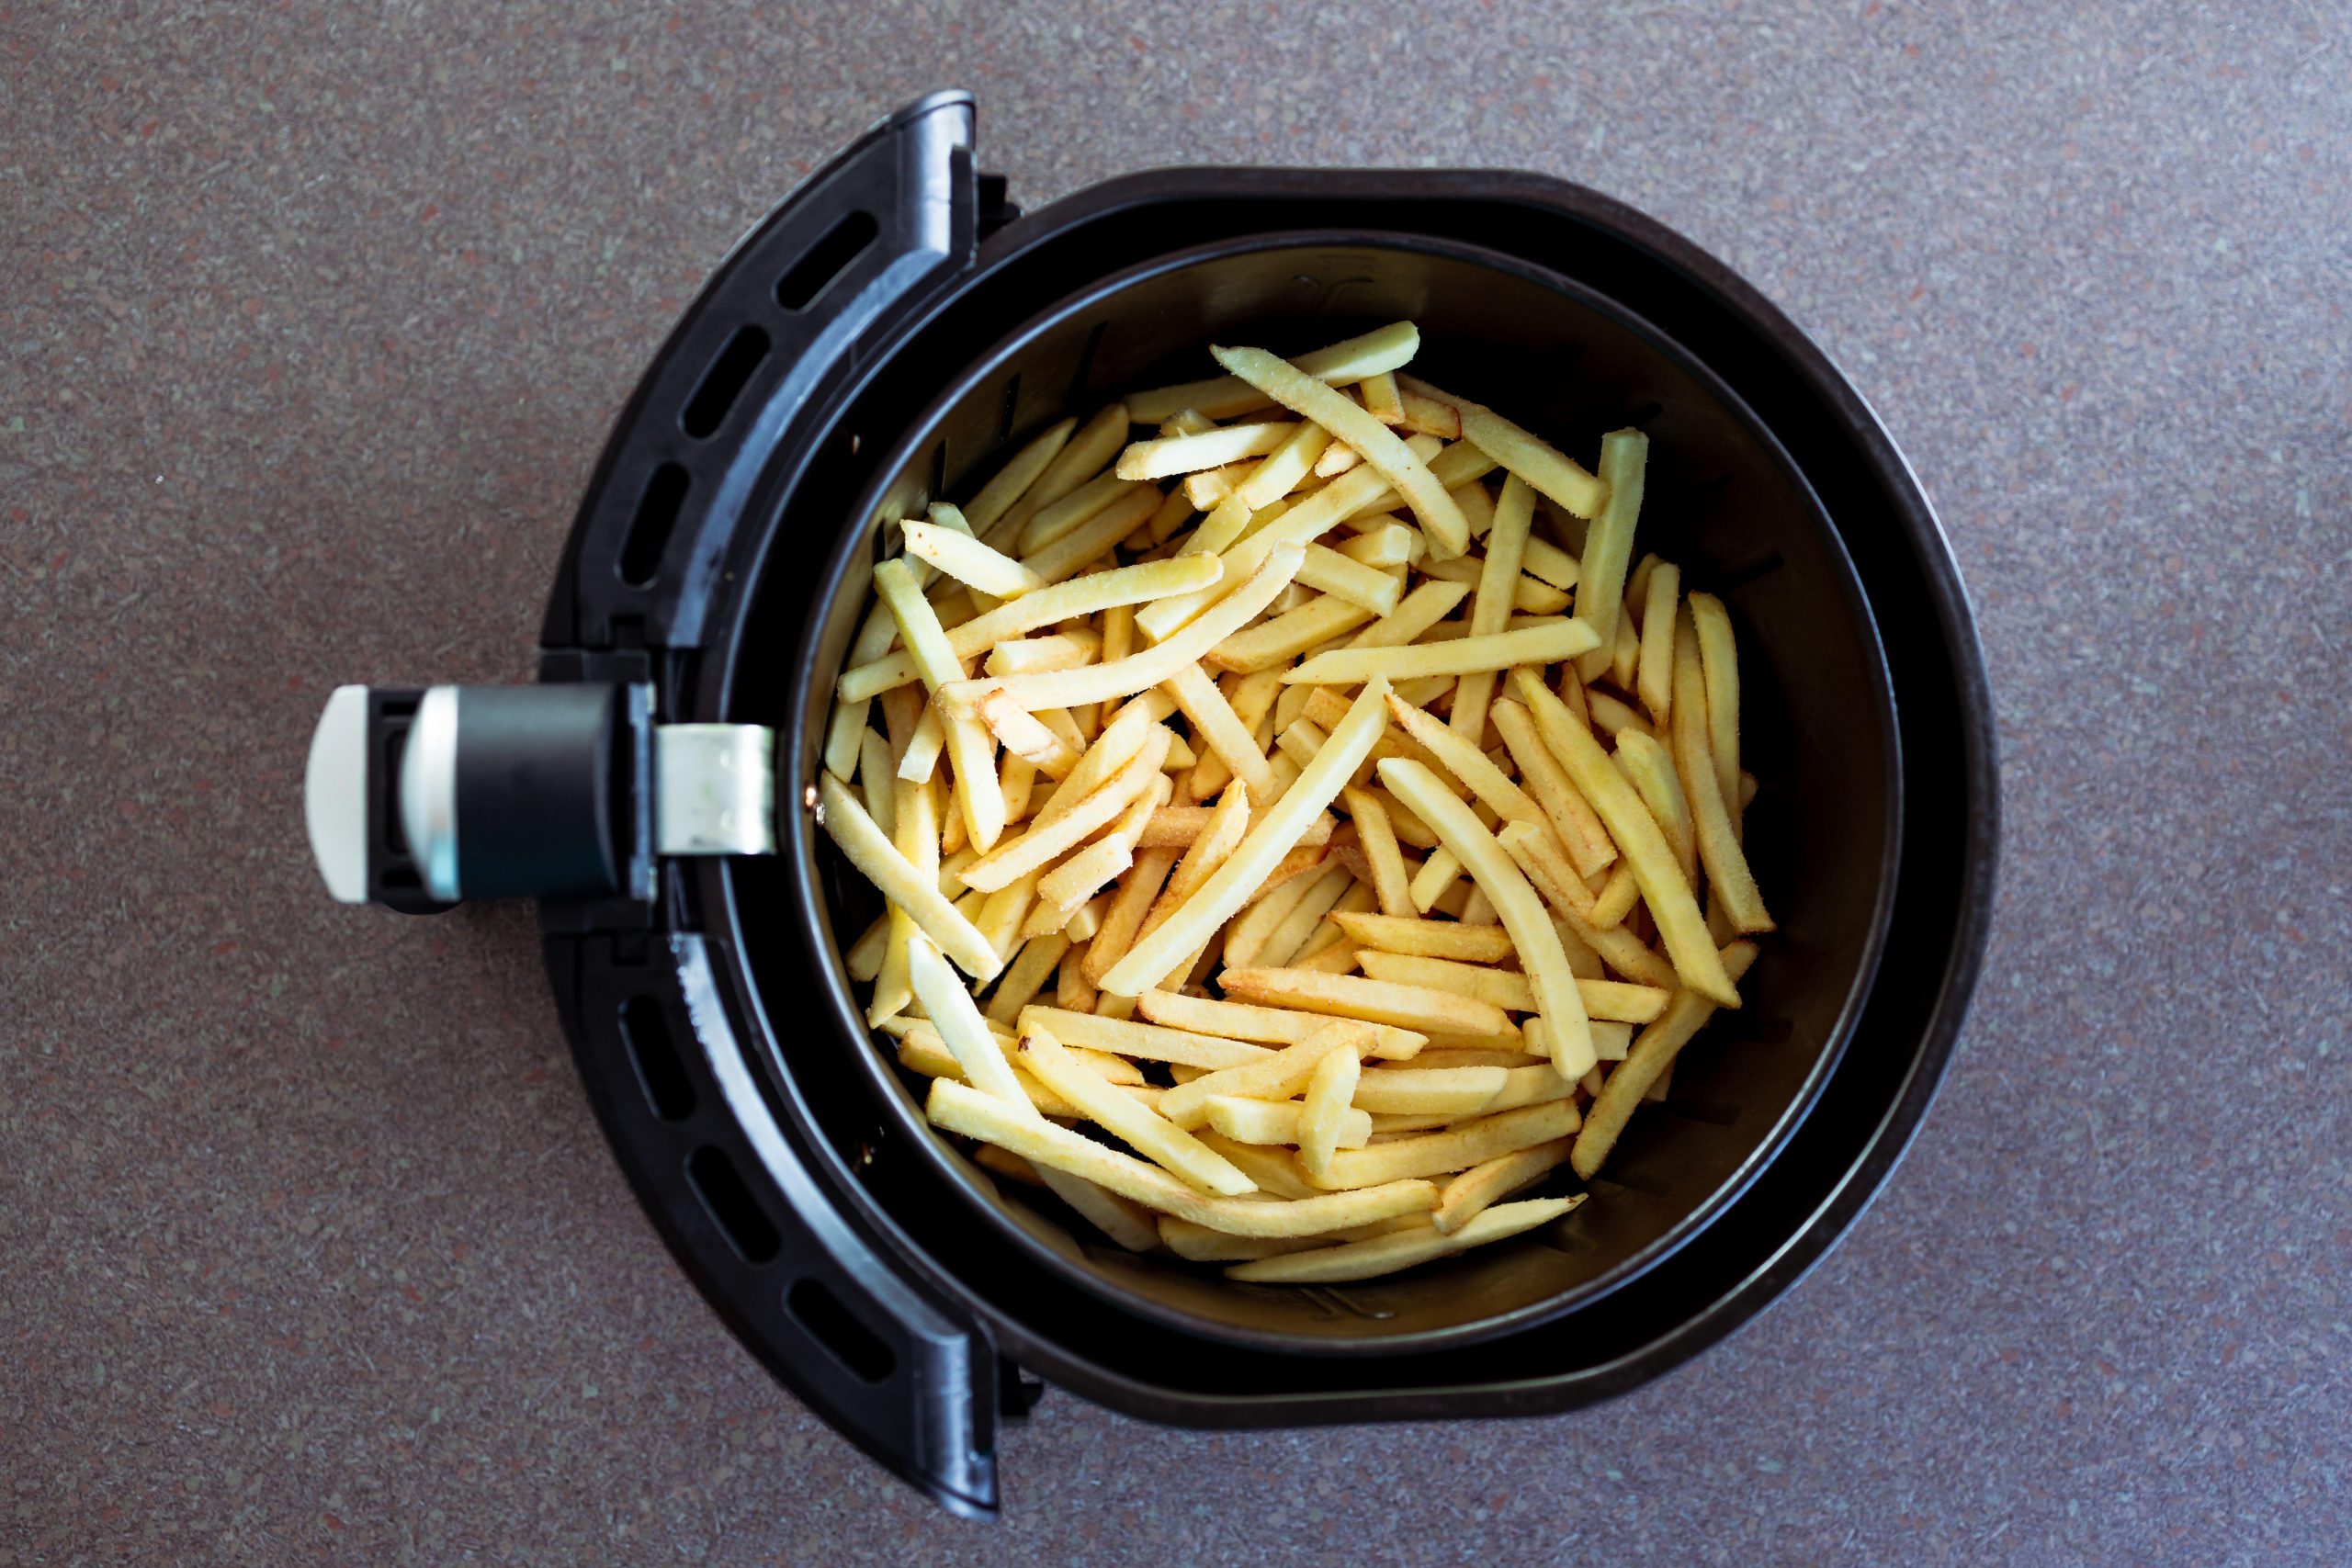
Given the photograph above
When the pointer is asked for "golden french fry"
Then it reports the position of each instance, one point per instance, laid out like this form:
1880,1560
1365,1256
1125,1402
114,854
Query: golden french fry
1177,826
1719,660
1611,999
1379,447
1128,908
1277,1076
1469,1194
1654,681
1531,645
1498,582
961,1028
1651,861
1088,451
1152,1043
1650,770
1382,350
1147,581
1290,634
1400,1249
1124,1222
1458,1147
1653,1052
1210,448
863,959
1376,1001
1219,727
1344,577
1385,862
1282,1026
1050,838
1609,545
1381,398
1271,836
1452,1091
1146,1132
1036,962
959,1109
1275,1170
965,559
1500,878
1329,1090
1280,470
1434,939
1727,871
1579,831
1277,1121
849,826
1012,481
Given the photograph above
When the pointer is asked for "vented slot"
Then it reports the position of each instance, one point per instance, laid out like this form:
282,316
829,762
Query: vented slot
732,1206
724,382
834,1327
826,260
655,1055
1012,409
1084,376
650,530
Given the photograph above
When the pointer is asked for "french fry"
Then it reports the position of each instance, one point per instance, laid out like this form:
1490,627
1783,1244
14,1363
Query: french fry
1415,612
1500,878
1049,838
1344,577
1578,830
1062,650
1538,462
1547,562
1276,830
1210,448
1469,1194
1280,472
1219,727
1649,859
1432,939
961,1027
1609,545
1498,582
1021,472
970,748
1088,451
1124,1222
1377,1002
1151,1042
1144,1130
1141,583
1450,1091
1141,672
1616,899
1384,349
1507,988
1425,415
1275,1170
1288,634
1652,1053
1719,661
1400,1249
1728,877
957,1108
1176,827
1277,1076
1247,936
965,559
1330,1088
863,959
1128,908
1023,979
1650,770
1654,680
1463,1145
1277,1121
1461,758
1387,544
1282,1026
1531,645
1299,390
1387,862
846,822
1381,398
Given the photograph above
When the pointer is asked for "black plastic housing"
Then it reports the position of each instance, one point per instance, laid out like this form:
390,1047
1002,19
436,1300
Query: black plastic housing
1769,1146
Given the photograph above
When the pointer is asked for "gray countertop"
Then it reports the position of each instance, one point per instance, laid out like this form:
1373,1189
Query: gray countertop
314,320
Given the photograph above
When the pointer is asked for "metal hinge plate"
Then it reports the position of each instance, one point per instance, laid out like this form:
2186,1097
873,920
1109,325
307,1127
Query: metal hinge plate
714,789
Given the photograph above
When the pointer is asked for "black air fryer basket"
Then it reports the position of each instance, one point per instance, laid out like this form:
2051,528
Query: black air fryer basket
875,343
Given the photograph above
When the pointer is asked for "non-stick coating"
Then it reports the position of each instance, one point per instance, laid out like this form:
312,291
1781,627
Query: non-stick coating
1724,502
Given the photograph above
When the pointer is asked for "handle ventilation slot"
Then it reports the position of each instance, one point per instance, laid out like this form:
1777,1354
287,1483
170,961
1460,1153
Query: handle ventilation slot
724,382
826,260
655,1055
650,530
730,1205
834,1327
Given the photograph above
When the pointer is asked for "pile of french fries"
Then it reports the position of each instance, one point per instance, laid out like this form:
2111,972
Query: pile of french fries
1278,873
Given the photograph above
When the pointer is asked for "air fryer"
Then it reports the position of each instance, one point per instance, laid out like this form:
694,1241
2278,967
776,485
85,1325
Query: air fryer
882,339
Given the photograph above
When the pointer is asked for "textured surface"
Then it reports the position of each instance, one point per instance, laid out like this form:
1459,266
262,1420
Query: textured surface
310,326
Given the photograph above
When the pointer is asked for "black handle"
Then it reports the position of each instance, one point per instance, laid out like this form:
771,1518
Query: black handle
417,798
906,1377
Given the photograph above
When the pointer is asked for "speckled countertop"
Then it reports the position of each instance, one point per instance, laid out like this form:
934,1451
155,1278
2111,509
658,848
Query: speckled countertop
312,323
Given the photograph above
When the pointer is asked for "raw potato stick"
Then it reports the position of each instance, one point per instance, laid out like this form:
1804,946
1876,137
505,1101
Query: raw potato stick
1297,390
1652,1053
1270,836
918,895
1400,1249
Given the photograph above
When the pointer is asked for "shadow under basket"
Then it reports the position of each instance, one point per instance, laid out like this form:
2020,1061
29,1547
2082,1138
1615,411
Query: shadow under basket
1723,501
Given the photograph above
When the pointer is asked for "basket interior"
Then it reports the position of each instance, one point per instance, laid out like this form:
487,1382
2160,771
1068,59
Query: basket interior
1723,501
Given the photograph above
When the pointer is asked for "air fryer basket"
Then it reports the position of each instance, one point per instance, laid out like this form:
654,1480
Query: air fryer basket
1725,501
